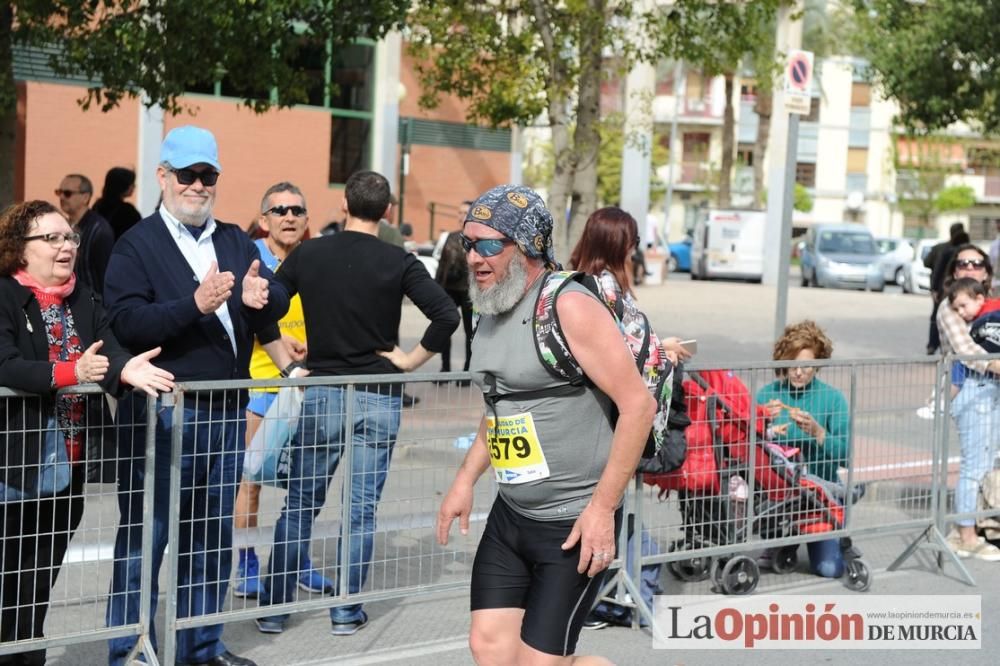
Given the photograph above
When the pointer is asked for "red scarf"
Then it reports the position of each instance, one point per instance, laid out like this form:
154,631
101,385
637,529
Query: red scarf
69,408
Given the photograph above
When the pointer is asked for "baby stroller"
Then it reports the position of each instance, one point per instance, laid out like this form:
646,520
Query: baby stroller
712,486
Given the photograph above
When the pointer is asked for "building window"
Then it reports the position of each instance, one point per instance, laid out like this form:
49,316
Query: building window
861,94
805,174
352,77
342,81
350,146
744,154
857,182
857,160
983,228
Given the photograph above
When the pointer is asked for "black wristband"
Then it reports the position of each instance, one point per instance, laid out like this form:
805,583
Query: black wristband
290,367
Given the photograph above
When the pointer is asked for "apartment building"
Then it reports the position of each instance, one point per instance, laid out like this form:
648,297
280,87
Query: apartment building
850,157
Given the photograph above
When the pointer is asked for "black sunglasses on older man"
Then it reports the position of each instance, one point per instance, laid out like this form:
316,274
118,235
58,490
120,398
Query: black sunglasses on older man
207,177
281,211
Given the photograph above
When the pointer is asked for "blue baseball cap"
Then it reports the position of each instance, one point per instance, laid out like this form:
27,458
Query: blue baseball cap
187,145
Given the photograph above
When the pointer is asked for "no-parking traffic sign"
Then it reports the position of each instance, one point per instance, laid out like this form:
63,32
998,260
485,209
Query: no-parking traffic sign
798,80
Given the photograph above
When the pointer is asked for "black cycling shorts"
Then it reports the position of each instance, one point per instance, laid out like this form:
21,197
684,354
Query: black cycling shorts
520,564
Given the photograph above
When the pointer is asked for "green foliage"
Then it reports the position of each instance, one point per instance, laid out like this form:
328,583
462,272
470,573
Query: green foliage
719,36
494,56
953,198
539,166
922,174
803,201
609,161
166,47
937,60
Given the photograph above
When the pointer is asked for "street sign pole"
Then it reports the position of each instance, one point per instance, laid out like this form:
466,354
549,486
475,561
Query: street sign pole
797,101
785,239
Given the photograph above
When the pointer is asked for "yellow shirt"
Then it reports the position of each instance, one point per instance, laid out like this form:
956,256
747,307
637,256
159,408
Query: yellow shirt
293,324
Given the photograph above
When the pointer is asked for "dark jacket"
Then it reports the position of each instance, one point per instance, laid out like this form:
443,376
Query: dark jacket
121,215
149,294
24,365
96,240
453,271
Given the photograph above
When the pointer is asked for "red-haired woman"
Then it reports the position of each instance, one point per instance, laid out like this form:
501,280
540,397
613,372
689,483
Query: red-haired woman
605,250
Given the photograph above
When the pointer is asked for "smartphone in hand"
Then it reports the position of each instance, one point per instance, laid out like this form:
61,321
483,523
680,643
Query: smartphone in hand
691,346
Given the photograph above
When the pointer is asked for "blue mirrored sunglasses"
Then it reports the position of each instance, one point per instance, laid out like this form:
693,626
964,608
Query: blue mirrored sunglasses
486,247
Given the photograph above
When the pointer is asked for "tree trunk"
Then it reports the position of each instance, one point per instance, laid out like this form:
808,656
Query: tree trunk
557,88
587,137
762,107
728,131
8,107
562,174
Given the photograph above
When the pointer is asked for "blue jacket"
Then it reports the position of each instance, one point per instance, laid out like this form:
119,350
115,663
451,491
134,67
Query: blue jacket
149,296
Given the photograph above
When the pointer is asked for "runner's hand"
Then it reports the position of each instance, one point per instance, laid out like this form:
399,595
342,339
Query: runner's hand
594,530
456,504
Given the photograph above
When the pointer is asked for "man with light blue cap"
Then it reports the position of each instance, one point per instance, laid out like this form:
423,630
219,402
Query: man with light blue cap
173,278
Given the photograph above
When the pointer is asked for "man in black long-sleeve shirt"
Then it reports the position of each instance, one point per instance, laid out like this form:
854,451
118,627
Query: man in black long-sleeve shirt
352,287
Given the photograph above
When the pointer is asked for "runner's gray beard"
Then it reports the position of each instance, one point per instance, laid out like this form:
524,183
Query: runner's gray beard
505,293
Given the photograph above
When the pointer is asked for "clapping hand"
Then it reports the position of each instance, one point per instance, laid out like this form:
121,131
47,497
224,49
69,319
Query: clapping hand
143,375
91,366
214,290
254,287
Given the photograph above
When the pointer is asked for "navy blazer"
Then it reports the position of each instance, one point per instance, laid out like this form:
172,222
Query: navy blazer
25,365
149,294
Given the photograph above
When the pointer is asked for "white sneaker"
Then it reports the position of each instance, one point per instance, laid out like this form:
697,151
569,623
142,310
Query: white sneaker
981,550
926,412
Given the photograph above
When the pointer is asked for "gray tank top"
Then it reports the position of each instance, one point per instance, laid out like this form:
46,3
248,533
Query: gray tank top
573,432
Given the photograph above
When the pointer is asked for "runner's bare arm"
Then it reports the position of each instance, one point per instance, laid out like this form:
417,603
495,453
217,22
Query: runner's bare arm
598,347
458,502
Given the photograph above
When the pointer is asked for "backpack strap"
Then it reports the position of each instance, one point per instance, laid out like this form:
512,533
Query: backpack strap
550,343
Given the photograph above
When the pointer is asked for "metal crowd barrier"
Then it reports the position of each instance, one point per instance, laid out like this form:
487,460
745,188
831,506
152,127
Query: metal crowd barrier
79,593
702,521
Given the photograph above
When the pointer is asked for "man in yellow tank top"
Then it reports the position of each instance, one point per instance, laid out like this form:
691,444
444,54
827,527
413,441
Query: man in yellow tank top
284,219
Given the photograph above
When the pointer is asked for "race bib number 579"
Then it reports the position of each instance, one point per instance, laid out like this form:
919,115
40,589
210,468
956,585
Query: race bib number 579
515,452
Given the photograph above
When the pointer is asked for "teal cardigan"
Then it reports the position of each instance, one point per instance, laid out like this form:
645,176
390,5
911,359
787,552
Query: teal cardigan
828,406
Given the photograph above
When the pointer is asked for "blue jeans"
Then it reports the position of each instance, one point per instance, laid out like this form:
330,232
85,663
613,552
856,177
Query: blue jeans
976,410
211,461
316,450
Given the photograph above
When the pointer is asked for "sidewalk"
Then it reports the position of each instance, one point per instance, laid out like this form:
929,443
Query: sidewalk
431,630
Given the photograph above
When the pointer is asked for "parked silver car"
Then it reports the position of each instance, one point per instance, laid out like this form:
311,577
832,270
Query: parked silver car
916,276
896,253
841,255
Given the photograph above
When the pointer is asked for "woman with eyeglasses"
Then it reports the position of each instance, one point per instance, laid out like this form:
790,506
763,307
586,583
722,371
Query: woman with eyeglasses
53,334
809,414
976,408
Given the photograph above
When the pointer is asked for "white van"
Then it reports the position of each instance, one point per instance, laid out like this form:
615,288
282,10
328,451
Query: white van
729,244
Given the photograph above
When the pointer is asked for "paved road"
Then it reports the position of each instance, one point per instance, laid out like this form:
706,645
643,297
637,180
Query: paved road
733,323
